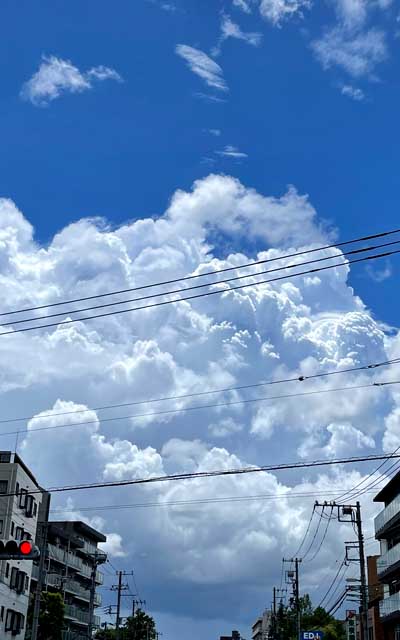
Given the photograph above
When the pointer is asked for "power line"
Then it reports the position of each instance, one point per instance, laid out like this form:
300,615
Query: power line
295,555
206,406
301,378
332,583
211,474
323,537
314,536
197,286
205,274
197,295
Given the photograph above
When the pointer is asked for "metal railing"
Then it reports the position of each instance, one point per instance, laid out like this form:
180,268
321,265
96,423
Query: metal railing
387,514
388,559
389,605
63,556
70,611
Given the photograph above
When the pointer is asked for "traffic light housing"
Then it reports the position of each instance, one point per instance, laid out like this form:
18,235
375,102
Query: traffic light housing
23,550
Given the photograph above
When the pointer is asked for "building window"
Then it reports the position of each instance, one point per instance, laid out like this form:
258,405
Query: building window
1,526
14,622
27,584
29,506
7,569
371,634
3,486
17,489
5,457
34,508
397,632
12,528
22,498
17,580
2,613
19,533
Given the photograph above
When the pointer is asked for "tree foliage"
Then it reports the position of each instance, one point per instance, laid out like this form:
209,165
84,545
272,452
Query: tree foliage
285,627
51,616
141,626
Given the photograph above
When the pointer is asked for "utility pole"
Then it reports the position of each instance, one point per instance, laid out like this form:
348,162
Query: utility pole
119,588
348,510
41,577
296,597
294,579
99,558
137,603
364,595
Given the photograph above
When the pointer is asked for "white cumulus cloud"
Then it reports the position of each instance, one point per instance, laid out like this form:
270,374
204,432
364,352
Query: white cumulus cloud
57,76
357,53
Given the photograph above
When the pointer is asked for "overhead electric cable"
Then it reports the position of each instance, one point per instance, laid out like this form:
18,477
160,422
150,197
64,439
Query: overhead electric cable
197,295
322,539
205,406
207,273
332,583
209,474
299,378
314,536
295,555
194,287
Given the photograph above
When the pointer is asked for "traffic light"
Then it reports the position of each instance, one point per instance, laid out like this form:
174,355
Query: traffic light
13,550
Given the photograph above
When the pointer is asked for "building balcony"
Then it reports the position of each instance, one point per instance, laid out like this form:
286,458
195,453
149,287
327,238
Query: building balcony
80,616
388,562
388,516
390,606
73,561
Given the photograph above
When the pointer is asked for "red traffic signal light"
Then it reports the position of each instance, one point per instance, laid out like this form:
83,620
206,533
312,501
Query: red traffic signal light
25,550
26,547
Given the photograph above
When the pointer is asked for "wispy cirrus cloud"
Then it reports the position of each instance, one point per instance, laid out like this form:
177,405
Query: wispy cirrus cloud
231,152
277,11
243,5
357,53
353,92
230,29
203,66
56,76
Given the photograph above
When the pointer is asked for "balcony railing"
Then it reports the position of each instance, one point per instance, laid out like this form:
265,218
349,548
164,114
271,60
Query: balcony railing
387,560
81,616
390,605
387,514
62,555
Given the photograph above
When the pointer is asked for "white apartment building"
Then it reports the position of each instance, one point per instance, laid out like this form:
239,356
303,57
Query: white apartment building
261,627
18,521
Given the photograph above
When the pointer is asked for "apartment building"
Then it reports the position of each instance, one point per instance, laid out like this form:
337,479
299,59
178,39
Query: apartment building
235,636
387,532
18,521
72,559
261,627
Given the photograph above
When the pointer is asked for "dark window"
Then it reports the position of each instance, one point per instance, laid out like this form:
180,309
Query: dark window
22,498
35,508
26,536
7,569
2,613
12,528
14,578
5,457
1,526
26,583
17,489
29,506
3,486
14,622
19,533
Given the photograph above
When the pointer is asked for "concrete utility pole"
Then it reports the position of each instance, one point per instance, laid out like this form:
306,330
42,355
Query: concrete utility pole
294,579
99,558
364,595
41,577
119,588
348,510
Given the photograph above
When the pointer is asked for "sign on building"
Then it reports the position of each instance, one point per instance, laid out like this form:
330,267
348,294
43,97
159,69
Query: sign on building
351,625
312,635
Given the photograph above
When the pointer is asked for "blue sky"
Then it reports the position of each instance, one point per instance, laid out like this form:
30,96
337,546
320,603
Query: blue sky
308,98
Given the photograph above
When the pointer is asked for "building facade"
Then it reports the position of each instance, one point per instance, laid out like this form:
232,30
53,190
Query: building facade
260,630
18,521
387,532
235,636
71,568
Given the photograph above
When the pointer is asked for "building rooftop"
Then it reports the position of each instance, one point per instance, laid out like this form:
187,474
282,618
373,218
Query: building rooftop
390,490
9,457
79,527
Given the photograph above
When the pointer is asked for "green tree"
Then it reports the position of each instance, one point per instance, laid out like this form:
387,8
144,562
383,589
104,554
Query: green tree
139,627
51,617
